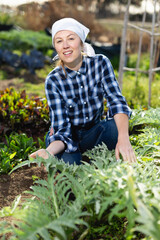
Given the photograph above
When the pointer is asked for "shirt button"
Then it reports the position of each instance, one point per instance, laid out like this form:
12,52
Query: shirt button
85,103
86,117
70,106
81,86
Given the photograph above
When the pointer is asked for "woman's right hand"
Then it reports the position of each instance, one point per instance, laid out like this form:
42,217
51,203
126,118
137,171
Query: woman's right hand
41,153
54,148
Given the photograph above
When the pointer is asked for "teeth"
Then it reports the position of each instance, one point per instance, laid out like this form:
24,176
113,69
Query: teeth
67,53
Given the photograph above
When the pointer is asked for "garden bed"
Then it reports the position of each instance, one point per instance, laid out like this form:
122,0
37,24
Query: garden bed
18,182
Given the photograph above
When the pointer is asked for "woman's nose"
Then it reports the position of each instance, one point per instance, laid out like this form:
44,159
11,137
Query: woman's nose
65,44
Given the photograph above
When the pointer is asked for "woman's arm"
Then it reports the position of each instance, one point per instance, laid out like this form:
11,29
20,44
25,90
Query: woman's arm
123,146
54,148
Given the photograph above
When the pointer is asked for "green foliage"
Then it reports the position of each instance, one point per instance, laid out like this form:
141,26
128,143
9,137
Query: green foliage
15,151
122,201
136,93
145,133
60,217
17,110
144,61
136,90
155,93
24,40
147,144
3,75
141,118
102,199
101,191
20,144
19,113
5,18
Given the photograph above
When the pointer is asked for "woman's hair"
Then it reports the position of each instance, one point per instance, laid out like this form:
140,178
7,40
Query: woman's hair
61,63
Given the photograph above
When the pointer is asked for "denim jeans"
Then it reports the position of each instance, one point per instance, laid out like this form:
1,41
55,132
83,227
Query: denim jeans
104,131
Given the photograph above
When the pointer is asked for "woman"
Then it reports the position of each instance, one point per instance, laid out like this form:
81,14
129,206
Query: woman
75,91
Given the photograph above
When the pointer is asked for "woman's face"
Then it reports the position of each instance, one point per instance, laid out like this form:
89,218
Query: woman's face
69,46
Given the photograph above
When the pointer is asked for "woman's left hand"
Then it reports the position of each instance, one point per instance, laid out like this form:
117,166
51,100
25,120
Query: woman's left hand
124,148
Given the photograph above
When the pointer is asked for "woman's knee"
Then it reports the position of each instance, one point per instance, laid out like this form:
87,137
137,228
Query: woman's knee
70,158
110,134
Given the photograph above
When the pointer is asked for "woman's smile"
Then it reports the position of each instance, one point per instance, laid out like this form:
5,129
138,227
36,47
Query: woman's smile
67,53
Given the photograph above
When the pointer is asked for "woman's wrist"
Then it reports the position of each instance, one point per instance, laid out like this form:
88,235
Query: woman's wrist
55,147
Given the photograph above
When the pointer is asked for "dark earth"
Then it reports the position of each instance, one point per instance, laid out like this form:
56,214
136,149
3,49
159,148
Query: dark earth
17,182
20,180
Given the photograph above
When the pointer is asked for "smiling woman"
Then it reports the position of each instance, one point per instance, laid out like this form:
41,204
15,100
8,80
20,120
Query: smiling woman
75,92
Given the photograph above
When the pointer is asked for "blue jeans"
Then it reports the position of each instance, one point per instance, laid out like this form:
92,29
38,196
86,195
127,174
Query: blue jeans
104,131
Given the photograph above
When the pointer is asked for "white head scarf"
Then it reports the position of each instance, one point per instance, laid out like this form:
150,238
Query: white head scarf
76,27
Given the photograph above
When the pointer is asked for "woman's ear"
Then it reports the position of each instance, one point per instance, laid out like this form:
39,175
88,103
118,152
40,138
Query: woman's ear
82,46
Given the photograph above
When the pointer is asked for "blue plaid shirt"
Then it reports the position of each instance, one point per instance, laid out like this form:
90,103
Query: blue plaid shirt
76,98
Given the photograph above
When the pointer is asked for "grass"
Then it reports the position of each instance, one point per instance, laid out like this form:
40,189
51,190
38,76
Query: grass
31,88
38,88
136,91
42,73
21,79
3,75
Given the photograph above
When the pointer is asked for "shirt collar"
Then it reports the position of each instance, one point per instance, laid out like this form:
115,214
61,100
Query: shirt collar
82,70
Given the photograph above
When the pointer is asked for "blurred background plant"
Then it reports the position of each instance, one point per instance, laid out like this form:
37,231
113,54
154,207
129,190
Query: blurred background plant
5,18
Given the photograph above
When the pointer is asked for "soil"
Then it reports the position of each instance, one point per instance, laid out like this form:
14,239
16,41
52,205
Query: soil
17,182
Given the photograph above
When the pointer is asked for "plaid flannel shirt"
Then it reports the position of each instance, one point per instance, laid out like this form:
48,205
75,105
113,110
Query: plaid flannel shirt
76,98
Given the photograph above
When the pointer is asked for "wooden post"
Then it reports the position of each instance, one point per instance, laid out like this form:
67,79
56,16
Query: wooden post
151,54
152,34
123,46
140,44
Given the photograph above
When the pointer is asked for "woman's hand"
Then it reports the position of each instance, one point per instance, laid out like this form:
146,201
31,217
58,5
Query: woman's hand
51,131
53,149
41,153
124,148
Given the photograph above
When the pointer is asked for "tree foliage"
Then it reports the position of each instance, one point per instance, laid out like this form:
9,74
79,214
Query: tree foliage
82,10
